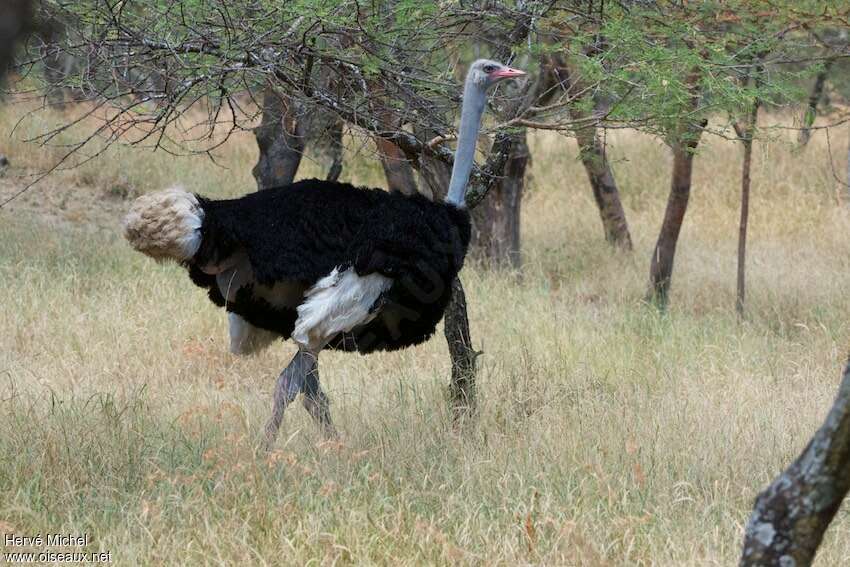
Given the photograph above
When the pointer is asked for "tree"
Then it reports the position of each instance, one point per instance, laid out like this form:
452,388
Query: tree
791,515
684,145
281,139
286,128
16,21
496,238
591,150
746,131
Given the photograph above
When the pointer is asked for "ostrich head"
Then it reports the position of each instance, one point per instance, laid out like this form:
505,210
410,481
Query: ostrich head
485,73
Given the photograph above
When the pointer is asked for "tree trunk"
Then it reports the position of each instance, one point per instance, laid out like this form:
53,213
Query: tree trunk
335,150
661,269
16,22
281,138
746,134
496,234
605,192
847,187
592,154
791,515
57,63
462,390
434,174
811,112
325,137
398,170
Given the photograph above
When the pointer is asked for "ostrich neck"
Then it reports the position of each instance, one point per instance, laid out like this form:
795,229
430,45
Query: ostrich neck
474,100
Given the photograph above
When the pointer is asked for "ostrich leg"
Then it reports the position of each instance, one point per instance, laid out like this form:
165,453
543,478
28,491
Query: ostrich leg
317,404
302,375
289,384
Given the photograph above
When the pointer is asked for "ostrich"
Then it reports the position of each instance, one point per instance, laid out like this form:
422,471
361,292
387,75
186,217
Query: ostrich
325,263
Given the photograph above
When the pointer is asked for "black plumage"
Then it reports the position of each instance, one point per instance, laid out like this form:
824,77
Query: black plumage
300,233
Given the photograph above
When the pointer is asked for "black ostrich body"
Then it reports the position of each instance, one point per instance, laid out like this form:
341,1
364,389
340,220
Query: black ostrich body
300,233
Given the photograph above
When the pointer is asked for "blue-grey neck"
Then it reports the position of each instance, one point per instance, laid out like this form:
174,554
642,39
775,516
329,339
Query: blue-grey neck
474,101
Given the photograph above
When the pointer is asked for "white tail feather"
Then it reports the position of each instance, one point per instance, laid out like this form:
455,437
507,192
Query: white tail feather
337,303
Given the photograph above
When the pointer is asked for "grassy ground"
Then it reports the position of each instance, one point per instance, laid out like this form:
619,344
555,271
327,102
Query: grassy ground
608,434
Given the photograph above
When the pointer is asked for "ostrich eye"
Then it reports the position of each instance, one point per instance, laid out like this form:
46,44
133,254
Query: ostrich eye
489,68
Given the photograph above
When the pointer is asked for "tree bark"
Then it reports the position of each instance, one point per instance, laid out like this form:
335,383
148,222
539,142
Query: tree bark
57,63
661,269
326,137
847,186
281,138
462,390
16,21
591,152
398,170
791,515
496,234
605,192
811,111
746,134
434,173
335,169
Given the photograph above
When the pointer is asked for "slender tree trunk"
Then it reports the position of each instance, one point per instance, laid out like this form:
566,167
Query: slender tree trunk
605,192
592,154
746,134
55,61
400,176
397,168
847,187
434,174
16,22
327,141
791,515
335,169
740,296
496,234
811,111
462,390
281,138
661,269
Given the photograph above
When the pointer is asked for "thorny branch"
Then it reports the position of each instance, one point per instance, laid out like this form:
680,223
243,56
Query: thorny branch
141,68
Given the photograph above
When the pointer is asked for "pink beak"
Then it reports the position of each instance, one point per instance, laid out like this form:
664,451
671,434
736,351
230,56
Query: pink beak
507,73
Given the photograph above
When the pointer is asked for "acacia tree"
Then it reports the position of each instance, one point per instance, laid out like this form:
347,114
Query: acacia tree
587,106
305,56
286,128
679,63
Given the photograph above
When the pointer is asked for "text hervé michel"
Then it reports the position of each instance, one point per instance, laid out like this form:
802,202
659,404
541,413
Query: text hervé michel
46,540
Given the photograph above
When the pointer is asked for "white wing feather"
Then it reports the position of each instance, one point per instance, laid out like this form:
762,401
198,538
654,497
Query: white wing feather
337,303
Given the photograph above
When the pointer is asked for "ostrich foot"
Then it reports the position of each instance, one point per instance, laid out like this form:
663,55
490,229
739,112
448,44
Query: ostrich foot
318,406
289,384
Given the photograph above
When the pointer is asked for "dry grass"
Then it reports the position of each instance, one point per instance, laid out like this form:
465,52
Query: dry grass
608,434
